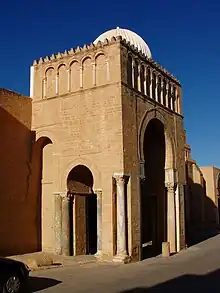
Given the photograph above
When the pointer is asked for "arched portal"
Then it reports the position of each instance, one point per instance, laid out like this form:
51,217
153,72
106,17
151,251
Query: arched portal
153,193
40,154
80,185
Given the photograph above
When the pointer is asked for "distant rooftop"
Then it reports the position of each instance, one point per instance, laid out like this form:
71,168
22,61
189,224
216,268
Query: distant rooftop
7,92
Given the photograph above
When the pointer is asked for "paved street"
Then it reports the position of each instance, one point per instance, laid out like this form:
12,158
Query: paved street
194,270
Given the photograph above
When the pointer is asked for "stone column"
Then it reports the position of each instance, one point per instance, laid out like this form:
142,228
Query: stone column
139,77
177,206
108,70
156,88
121,255
99,222
132,73
167,95
45,87
171,97
58,222
145,81
69,80
57,84
81,76
66,226
151,86
171,216
93,73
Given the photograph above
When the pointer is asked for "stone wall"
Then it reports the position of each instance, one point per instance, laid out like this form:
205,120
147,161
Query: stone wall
211,175
196,195
85,127
17,216
138,106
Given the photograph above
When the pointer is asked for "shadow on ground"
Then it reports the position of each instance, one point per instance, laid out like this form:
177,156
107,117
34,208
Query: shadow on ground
38,283
185,283
197,235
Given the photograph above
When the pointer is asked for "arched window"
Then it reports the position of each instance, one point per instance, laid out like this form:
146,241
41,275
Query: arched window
100,70
164,92
142,78
136,74
87,72
129,71
169,96
148,81
50,83
159,90
174,98
154,86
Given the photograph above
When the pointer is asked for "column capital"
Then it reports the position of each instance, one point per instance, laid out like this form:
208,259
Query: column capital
64,195
170,186
98,193
121,178
60,193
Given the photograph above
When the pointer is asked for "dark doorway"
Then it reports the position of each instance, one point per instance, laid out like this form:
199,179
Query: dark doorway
153,193
91,224
80,185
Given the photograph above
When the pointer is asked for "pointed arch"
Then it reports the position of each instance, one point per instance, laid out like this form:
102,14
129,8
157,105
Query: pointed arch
170,145
62,79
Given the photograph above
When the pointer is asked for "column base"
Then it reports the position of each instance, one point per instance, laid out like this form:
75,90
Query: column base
58,251
122,258
98,254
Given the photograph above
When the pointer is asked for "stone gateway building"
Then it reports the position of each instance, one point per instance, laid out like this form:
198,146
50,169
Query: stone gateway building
108,159
96,159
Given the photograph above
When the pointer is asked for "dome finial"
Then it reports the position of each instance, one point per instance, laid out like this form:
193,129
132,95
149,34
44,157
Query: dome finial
117,27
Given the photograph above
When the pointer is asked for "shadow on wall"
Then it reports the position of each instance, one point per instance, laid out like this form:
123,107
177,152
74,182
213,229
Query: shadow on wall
17,212
186,283
200,214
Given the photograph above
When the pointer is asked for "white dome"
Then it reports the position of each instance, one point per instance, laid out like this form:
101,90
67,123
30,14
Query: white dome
129,36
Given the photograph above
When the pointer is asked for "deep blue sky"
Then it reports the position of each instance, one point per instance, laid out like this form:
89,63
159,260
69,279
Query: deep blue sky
184,36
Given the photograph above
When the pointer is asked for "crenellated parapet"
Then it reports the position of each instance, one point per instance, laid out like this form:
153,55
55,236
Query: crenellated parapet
149,61
92,47
76,51
149,79
76,69
100,64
